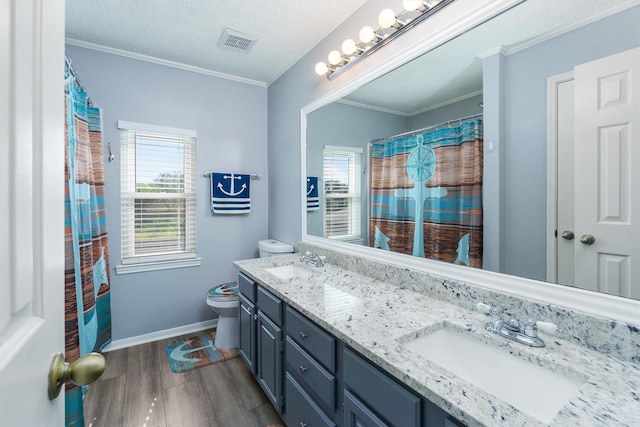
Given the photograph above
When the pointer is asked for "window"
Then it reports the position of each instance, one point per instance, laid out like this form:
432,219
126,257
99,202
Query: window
158,226
342,193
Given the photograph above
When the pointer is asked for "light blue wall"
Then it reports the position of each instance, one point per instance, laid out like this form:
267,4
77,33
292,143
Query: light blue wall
349,126
231,121
525,130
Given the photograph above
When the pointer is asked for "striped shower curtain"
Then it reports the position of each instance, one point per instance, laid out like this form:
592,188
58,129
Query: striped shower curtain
426,194
87,292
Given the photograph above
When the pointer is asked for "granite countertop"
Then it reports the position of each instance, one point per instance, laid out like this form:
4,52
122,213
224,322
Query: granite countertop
375,317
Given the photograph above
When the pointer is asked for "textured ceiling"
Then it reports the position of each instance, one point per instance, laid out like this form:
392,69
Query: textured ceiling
187,31
454,70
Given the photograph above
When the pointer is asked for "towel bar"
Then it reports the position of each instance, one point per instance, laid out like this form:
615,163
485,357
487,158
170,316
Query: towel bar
254,176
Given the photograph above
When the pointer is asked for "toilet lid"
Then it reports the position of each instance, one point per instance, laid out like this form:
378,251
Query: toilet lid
224,290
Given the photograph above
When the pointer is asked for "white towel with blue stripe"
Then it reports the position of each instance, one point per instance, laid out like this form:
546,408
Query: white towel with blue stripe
230,193
313,201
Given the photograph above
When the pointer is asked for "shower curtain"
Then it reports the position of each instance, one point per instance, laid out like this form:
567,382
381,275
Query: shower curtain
426,194
87,292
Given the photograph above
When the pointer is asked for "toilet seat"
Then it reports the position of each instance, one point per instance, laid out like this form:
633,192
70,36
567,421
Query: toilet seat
224,292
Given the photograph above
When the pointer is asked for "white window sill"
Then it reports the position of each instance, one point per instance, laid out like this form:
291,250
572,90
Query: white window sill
159,265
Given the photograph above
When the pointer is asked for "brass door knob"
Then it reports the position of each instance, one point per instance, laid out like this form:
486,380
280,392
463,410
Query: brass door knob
568,235
83,371
587,239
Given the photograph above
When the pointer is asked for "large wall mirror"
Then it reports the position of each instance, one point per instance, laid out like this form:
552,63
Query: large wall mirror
519,74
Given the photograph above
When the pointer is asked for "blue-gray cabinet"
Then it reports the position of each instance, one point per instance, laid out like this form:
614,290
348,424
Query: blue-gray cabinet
313,379
248,315
247,348
261,344
270,346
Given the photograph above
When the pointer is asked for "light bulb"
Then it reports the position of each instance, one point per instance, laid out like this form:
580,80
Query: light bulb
321,68
387,18
348,47
334,57
411,5
367,34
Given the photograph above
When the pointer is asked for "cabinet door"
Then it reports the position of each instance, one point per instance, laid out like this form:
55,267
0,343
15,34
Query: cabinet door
270,359
356,414
247,348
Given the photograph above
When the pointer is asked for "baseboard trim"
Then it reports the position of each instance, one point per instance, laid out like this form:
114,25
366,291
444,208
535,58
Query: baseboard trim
160,335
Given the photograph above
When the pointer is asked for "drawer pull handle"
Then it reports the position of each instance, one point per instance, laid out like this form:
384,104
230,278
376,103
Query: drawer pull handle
303,369
303,335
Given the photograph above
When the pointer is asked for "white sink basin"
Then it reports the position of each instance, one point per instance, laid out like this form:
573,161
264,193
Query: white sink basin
286,272
535,390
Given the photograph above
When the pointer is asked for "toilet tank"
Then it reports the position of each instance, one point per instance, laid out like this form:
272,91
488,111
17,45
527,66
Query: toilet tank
270,247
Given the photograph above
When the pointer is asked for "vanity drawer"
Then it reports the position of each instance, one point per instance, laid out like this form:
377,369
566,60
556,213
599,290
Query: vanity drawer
270,305
247,287
312,338
301,410
311,373
390,400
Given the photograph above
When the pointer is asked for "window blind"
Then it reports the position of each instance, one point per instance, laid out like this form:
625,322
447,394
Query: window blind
342,172
157,195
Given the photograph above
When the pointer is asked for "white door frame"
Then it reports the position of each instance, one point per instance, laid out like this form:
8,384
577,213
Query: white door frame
552,172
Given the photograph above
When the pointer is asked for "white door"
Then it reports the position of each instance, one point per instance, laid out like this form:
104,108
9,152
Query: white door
607,174
31,208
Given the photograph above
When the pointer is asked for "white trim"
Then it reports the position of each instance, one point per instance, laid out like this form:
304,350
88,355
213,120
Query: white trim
158,61
154,266
160,335
448,102
343,148
372,107
552,171
146,127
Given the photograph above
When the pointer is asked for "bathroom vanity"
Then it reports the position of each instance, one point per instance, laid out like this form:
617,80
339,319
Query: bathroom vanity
333,345
312,378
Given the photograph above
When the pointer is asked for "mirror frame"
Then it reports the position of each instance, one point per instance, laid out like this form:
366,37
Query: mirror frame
598,304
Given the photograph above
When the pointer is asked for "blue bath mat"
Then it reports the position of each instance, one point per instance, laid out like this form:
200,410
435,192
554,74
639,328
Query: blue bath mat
195,352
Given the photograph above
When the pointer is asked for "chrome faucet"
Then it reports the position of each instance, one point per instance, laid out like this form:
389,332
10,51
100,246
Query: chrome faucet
511,329
312,259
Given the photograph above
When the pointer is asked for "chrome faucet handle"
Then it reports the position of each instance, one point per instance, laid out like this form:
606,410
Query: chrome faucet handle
496,320
304,257
531,329
512,324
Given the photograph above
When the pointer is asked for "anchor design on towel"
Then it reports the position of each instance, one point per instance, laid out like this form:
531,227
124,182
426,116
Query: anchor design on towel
179,352
311,187
232,177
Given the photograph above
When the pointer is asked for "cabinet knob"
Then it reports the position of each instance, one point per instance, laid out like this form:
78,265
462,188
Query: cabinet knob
303,369
303,335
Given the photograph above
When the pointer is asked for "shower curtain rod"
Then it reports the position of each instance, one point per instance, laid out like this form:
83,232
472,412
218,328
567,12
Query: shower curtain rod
75,77
421,130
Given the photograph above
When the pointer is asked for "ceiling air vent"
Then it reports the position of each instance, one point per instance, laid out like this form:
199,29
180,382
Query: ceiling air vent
236,41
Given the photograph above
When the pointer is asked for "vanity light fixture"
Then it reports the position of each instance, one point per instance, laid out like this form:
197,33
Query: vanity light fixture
392,25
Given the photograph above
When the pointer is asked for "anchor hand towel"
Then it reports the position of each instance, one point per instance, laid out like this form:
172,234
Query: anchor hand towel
230,193
313,201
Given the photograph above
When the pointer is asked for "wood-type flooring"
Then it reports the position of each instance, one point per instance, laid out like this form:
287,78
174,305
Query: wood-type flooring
138,389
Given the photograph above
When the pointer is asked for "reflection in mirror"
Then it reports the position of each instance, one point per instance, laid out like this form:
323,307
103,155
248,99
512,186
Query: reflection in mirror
520,75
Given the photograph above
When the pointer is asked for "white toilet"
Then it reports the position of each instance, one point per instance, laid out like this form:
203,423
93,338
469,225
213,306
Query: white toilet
270,247
223,299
